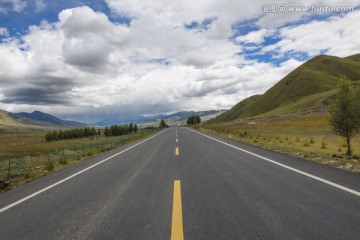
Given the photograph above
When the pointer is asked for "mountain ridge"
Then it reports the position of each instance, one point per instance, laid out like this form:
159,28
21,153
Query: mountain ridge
40,119
310,84
173,118
34,119
49,119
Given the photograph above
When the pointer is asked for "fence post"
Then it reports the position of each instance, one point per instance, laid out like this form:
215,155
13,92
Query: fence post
9,169
48,154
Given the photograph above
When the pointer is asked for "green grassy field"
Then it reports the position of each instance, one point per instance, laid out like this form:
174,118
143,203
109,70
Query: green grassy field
305,135
31,157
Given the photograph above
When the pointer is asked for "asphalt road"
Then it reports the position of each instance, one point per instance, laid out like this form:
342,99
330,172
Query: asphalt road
196,187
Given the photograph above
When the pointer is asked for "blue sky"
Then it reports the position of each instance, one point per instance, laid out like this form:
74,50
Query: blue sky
91,60
33,12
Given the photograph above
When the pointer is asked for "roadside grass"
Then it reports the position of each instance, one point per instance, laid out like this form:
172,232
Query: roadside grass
30,157
308,136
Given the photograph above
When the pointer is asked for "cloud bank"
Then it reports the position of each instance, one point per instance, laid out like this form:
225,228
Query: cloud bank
167,57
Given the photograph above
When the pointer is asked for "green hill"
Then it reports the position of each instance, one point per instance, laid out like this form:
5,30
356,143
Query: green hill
307,87
355,58
236,111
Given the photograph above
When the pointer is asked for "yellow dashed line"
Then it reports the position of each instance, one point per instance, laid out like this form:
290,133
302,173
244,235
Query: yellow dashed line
177,231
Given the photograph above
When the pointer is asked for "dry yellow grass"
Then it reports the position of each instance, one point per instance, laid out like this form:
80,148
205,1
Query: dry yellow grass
29,153
308,135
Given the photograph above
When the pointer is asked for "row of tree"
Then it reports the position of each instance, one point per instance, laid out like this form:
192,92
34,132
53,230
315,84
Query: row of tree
193,120
118,130
72,134
114,130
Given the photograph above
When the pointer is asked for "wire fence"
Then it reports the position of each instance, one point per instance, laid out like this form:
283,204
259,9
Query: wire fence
13,166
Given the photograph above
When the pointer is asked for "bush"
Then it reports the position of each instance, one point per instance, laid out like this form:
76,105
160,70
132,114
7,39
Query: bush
28,175
49,166
63,160
323,144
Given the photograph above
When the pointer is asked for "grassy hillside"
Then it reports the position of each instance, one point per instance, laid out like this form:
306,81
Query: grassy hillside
32,121
11,121
355,57
47,119
236,111
307,87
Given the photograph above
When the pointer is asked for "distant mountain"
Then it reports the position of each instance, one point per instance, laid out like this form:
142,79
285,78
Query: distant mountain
172,119
8,119
33,120
308,87
48,119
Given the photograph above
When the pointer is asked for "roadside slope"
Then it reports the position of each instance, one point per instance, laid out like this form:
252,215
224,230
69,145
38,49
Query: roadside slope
315,79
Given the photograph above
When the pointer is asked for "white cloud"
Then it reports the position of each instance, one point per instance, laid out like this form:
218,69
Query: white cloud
255,36
274,20
4,32
16,5
88,67
337,36
40,5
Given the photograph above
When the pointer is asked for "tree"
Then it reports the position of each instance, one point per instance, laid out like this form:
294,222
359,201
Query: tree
71,134
107,132
163,124
136,128
345,111
193,120
198,119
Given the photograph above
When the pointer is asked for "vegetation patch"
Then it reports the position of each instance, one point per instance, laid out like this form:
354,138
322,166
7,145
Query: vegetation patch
309,136
25,156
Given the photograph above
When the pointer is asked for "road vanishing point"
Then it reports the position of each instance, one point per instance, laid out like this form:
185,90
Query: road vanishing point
184,184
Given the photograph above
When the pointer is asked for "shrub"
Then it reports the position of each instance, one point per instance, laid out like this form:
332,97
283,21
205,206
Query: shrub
49,166
323,144
63,160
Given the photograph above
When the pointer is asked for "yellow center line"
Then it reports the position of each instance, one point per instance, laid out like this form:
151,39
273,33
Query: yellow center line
177,151
177,231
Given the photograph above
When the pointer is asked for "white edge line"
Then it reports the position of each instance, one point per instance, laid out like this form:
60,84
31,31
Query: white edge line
72,176
285,166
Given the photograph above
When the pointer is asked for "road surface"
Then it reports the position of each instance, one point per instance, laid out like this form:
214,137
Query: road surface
182,184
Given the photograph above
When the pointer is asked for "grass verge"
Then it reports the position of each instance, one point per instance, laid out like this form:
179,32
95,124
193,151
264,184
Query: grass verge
25,156
308,136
